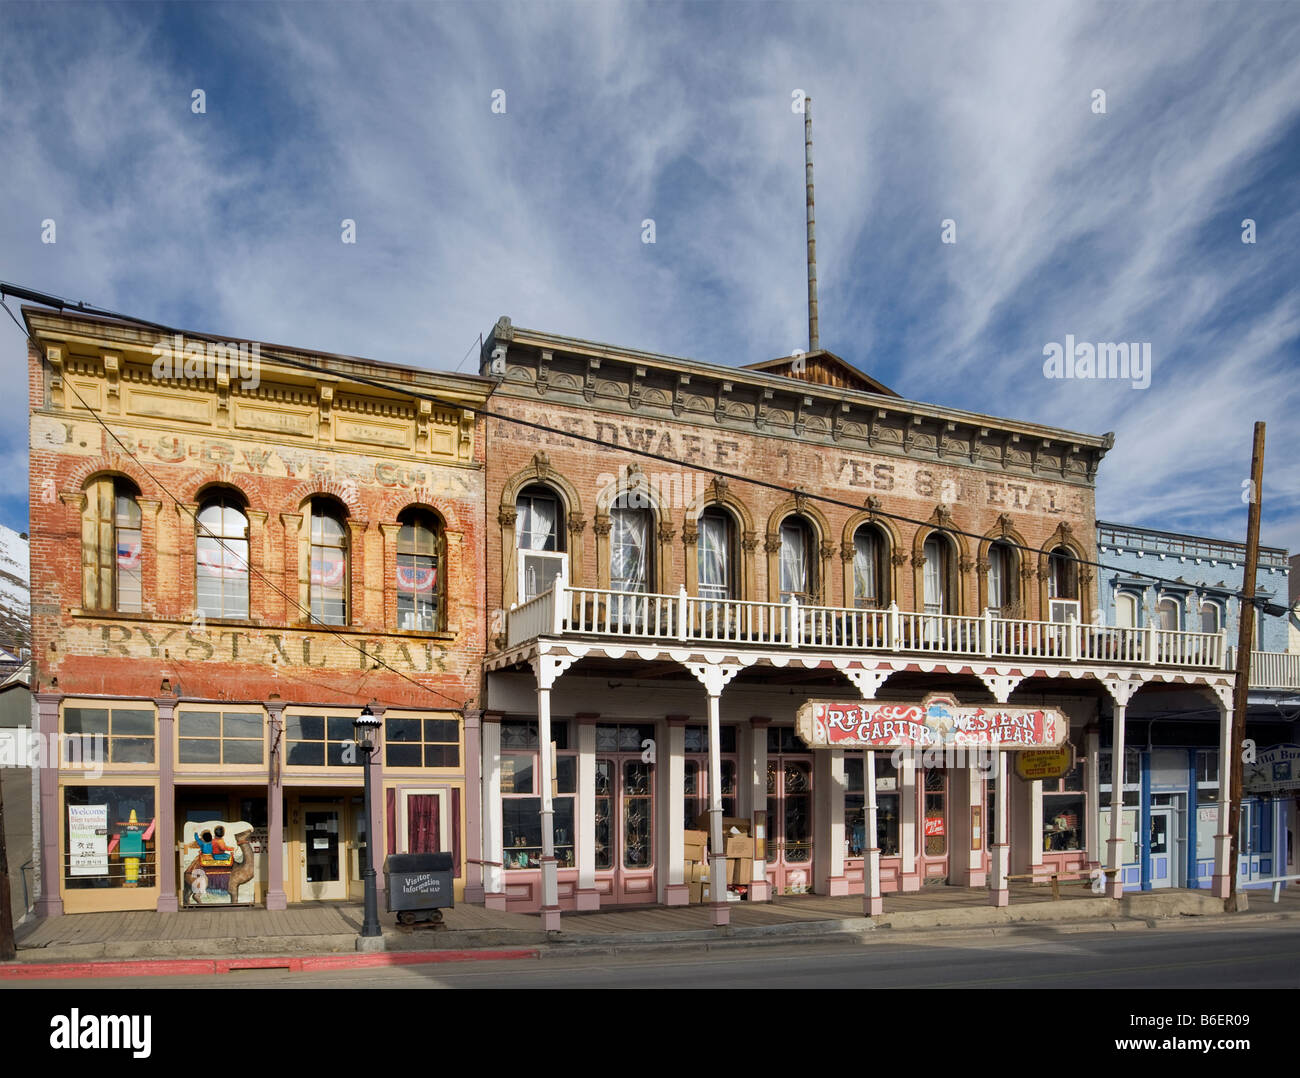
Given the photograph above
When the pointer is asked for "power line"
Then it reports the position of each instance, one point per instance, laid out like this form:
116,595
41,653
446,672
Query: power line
54,301
457,706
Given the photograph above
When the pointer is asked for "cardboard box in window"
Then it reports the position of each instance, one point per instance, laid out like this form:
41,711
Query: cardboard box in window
703,822
696,843
697,882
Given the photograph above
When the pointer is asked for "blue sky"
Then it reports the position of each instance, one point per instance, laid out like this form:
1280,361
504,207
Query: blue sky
1122,226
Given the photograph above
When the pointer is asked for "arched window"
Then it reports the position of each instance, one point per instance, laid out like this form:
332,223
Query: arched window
1126,610
221,557
870,572
631,554
419,576
716,554
1002,581
539,539
111,547
1211,616
1063,575
798,575
938,575
1167,614
329,564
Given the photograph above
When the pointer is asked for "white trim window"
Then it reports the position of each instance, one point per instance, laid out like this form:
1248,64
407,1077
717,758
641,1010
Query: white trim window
1126,610
1168,614
629,547
936,576
539,539
1211,616
795,561
869,562
715,555
221,558
1001,579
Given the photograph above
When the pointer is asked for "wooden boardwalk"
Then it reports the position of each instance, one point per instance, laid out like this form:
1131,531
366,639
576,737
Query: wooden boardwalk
344,919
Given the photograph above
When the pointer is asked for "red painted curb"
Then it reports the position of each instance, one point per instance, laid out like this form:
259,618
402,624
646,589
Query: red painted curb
181,967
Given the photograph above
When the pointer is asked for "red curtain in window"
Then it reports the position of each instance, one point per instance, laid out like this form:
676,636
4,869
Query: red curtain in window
422,835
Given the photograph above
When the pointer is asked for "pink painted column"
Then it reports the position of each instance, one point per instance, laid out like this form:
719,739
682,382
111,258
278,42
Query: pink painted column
999,895
50,904
164,835
873,902
760,890
275,896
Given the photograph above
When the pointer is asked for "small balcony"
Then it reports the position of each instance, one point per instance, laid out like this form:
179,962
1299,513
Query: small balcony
630,617
1272,669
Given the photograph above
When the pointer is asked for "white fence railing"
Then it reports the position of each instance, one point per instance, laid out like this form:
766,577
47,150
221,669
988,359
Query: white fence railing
1272,669
603,612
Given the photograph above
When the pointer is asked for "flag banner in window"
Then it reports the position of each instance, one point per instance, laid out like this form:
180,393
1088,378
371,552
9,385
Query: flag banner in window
937,720
216,562
328,567
128,552
416,578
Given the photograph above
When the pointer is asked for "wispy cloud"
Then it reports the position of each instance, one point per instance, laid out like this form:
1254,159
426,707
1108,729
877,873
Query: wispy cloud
1121,226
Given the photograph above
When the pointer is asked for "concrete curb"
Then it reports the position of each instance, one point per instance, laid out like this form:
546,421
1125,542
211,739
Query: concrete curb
338,951
197,967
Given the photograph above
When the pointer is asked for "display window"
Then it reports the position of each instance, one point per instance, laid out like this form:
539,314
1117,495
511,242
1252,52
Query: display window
695,776
855,806
109,837
521,802
1065,805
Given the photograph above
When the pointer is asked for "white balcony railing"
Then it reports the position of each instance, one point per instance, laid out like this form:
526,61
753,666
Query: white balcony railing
600,612
1271,669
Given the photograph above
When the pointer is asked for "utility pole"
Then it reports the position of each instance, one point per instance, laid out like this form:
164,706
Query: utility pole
8,951
1241,692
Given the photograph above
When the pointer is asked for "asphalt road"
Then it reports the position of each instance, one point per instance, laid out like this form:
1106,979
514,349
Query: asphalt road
1246,956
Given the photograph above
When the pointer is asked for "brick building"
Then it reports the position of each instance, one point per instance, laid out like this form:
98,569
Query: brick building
252,545
661,625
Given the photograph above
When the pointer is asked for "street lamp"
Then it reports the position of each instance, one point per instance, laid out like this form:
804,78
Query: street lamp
365,730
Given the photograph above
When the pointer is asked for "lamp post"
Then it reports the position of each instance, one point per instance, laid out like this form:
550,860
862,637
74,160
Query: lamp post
365,727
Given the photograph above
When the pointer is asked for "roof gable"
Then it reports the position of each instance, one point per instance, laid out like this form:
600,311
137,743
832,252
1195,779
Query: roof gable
822,368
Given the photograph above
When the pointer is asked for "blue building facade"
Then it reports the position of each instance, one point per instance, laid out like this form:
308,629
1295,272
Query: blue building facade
1172,759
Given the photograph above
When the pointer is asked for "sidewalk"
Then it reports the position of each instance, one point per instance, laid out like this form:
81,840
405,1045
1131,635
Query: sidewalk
225,939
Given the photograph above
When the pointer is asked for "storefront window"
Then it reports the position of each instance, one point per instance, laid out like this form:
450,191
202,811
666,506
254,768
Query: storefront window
1132,767
320,741
936,812
418,741
1065,808
220,737
696,800
855,807
109,837
521,807
126,732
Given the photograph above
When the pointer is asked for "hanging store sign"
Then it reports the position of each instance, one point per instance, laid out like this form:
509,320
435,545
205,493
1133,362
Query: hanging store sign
1274,770
936,721
1045,764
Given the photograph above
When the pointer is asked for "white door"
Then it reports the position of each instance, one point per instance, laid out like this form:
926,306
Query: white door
1163,848
322,853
